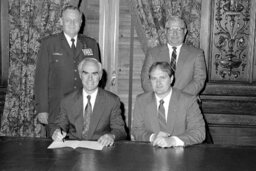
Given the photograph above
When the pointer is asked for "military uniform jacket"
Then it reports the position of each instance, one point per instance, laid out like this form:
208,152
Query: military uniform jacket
56,70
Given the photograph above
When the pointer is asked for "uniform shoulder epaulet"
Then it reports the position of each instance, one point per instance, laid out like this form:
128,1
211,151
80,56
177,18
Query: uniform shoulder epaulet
48,37
86,37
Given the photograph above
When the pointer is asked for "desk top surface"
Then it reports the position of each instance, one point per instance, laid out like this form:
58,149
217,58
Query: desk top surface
32,154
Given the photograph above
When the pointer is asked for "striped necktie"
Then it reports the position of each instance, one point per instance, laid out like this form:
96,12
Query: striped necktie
173,59
161,116
87,115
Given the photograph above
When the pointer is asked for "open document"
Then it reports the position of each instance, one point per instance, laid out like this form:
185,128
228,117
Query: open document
76,144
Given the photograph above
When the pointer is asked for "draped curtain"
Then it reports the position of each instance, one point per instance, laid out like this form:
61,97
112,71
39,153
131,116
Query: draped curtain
30,21
150,17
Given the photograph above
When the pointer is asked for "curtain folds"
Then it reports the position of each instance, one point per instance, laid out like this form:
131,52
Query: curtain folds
30,21
150,17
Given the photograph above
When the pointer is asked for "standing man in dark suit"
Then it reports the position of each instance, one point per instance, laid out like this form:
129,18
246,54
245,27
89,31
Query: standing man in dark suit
190,69
56,69
104,121
167,117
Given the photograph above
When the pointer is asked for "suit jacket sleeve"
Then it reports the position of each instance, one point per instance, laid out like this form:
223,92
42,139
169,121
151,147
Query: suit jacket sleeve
138,129
116,122
61,120
41,79
195,126
197,83
145,82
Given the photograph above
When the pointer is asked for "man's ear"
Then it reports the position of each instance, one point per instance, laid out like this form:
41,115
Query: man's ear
185,32
101,74
172,79
80,75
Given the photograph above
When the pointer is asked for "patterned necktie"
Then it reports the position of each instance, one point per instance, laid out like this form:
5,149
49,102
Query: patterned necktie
173,59
161,116
87,115
73,47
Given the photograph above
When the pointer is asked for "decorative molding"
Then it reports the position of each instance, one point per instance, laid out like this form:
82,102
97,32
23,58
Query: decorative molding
231,33
205,28
229,89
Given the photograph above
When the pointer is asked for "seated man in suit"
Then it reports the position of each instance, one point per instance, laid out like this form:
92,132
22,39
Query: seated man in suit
101,120
167,117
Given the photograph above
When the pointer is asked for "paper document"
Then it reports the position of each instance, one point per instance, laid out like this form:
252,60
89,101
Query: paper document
75,144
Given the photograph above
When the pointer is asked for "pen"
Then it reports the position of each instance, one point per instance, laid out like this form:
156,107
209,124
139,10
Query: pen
61,131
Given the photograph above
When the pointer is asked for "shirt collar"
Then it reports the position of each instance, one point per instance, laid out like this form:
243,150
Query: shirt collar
177,50
93,97
68,38
170,47
166,98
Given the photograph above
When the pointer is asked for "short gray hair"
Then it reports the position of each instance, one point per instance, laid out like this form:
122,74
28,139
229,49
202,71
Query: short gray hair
85,60
175,19
71,7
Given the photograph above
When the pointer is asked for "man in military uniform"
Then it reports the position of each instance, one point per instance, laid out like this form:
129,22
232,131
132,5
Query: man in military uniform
56,72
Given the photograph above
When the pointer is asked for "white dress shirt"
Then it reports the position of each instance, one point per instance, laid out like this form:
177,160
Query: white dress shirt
92,100
177,50
69,39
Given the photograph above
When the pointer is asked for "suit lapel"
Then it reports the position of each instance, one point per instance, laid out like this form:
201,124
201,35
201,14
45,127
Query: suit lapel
152,112
172,111
181,60
78,112
79,47
97,113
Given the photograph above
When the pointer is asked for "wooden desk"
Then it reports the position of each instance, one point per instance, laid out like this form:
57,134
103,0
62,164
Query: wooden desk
32,154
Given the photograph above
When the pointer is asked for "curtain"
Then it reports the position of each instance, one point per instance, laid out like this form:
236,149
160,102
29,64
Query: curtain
30,21
150,17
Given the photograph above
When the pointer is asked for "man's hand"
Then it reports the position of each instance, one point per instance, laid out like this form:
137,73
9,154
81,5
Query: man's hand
164,142
107,140
43,117
58,135
160,134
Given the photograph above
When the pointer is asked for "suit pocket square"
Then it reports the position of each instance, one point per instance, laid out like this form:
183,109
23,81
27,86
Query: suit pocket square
56,53
87,52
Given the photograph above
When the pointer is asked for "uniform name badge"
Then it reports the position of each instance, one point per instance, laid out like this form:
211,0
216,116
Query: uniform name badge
87,52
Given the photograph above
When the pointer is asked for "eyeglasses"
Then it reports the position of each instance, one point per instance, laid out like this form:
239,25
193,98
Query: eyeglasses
177,29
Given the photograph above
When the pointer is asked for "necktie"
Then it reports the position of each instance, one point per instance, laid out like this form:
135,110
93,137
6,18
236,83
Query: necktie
87,115
161,116
73,47
173,59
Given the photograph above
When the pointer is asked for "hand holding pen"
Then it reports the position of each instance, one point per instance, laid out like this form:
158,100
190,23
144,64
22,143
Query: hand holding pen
59,135
63,134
